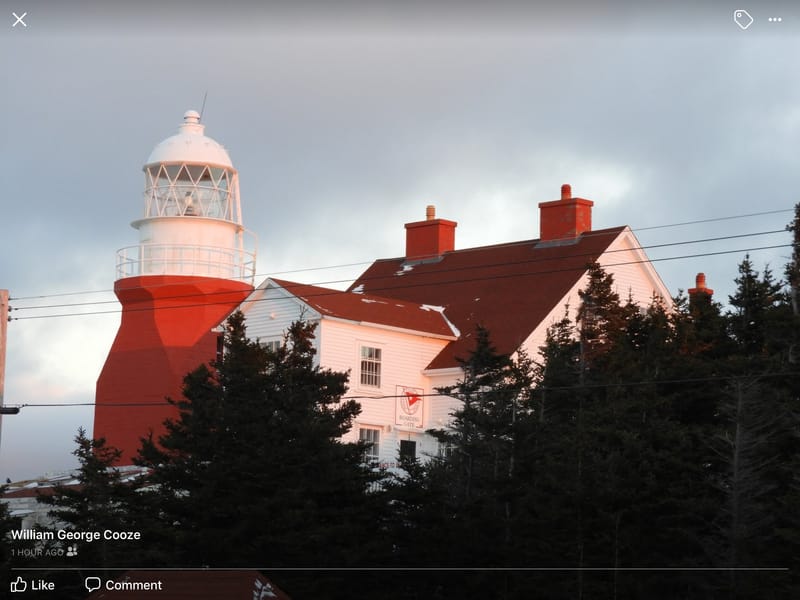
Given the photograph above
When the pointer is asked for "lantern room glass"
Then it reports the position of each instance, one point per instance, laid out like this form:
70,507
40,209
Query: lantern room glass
190,190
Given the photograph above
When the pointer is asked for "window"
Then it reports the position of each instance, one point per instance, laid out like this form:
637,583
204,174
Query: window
445,450
273,345
408,450
372,437
220,347
370,366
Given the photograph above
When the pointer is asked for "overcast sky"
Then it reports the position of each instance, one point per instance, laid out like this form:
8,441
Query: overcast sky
346,120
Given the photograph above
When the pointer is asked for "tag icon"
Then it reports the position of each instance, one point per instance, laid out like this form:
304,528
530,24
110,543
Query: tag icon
742,18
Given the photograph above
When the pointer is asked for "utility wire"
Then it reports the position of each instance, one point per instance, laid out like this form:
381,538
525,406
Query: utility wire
715,219
465,268
453,394
361,263
450,270
406,285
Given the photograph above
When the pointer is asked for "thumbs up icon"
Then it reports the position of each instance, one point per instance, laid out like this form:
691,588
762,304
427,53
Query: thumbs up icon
20,585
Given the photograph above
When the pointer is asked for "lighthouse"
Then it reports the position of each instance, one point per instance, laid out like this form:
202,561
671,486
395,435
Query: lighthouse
194,265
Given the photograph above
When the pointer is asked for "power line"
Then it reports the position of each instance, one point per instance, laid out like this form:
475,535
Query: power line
454,394
464,268
362,263
409,284
714,219
257,275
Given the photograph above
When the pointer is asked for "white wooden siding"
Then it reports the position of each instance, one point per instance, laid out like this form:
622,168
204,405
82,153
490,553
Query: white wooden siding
403,359
271,309
404,356
633,273
442,410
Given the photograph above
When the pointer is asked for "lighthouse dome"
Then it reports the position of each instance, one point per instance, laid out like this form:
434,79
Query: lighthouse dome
190,145
192,221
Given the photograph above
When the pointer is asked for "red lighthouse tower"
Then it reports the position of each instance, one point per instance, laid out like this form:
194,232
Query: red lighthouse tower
189,271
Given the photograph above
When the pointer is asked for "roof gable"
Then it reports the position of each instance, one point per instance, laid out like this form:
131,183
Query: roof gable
507,288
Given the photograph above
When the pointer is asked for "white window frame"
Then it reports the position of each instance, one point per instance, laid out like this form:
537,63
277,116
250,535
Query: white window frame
273,345
372,435
445,450
370,378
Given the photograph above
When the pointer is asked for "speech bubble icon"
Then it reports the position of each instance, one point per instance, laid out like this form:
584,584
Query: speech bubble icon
92,583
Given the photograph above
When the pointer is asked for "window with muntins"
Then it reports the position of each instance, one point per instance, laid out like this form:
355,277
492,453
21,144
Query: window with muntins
370,366
273,345
445,450
372,437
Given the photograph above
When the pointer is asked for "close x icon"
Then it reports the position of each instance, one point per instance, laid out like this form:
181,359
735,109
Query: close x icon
19,19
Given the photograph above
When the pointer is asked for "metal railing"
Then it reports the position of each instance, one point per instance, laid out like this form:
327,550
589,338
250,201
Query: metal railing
186,259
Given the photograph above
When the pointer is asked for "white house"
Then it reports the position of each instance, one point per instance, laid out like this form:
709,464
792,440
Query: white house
403,323
386,344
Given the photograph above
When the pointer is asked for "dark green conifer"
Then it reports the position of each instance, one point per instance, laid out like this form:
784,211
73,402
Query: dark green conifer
253,472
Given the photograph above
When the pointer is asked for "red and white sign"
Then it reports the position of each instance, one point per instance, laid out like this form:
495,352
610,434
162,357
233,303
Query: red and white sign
409,407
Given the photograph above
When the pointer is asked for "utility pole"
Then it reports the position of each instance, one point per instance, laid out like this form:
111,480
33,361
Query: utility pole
3,337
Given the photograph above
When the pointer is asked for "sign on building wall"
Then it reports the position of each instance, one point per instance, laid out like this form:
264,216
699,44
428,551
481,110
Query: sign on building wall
409,407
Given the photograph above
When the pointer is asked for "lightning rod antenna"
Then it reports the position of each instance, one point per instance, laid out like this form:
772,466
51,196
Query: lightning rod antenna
202,108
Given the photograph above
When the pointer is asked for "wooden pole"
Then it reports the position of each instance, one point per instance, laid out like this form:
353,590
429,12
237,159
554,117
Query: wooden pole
3,337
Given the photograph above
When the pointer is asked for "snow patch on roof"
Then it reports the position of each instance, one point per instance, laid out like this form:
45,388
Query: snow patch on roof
432,307
371,301
405,269
440,310
359,289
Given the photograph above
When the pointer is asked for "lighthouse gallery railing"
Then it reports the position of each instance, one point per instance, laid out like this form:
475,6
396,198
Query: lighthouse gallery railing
186,259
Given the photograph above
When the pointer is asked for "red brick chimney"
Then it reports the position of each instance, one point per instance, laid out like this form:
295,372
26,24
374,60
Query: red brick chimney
431,237
700,290
566,218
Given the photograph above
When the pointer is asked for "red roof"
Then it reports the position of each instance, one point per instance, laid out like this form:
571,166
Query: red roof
370,309
195,584
507,288
33,492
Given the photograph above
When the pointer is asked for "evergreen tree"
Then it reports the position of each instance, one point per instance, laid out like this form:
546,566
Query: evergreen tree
99,500
601,317
793,266
757,440
558,370
620,481
553,462
752,322
663,437
253,471
462,509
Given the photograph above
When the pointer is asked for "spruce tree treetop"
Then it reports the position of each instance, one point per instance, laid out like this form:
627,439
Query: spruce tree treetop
601,317
755,297
93,505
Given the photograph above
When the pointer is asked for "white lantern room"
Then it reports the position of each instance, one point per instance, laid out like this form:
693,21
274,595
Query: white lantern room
192,222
